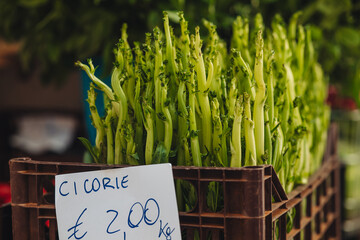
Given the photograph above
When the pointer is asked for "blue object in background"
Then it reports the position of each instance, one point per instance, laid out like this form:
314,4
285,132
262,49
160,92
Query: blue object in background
85,82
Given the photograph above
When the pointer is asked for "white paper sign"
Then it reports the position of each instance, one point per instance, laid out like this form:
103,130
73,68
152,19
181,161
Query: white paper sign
124,204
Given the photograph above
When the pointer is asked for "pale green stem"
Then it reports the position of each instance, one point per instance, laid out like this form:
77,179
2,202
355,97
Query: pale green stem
239,61
268,139
203,86
278,147
194,139
270,90
150,138
158,91
130,146
96,119
236,153
183,125
259,124
123,114
90,71
168,129
292,95
217,131
109,137
250,152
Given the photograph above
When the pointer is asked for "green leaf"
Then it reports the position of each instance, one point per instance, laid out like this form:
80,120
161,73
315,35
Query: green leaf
90,148
160,155
135,156
173,153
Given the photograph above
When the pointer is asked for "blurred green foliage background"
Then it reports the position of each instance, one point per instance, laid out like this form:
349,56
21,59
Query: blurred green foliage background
56,33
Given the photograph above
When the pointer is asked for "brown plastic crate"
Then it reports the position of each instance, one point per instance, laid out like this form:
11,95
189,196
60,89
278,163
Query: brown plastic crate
255,204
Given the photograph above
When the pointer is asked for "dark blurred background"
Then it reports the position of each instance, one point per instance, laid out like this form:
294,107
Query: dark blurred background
42,105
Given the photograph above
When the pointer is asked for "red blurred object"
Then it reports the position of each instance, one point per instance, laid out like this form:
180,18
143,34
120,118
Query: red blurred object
339,102
5,195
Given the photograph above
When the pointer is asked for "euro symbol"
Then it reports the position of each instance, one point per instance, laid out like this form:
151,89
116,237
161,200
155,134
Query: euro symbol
74,228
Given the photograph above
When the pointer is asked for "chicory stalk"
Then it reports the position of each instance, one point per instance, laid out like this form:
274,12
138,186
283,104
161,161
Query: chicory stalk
270,89
240,37
280,41
184,42
129,66
139,117
248,74
214,55
170,49
182,121
213,59
250,151
90,71
300,76
172,70
215,48
217,133
268,138
297,154
225,141
285,113
204,102
300,174
310,52
280,166
290,88
307,155
284,169
231,100
210,76
147,77
148,67
258,26
278,146
292,29
212,39
295,132
290,160
184,157
96,119
259,125
131,156
124,36
238,33
149,117
127,70
168,129
120,98
194,139
300,56
109,136
157,82
235,143
119,134
246,51
321,117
